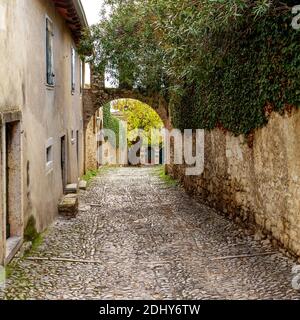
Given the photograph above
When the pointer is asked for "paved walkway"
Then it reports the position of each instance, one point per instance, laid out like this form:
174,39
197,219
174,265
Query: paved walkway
151,241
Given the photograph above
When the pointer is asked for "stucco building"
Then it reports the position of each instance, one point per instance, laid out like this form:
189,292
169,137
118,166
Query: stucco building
41,136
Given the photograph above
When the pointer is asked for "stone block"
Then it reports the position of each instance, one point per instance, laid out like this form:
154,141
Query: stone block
13,244
68,206
82,185
71,188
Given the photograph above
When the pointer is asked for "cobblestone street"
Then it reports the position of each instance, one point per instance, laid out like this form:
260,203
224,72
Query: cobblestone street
144,238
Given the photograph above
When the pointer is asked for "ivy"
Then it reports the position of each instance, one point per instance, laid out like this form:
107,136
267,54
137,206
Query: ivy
110,122
218,63
261,67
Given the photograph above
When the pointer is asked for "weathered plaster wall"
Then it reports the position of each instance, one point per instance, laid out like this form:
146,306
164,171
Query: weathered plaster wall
259,185
91,143
46,112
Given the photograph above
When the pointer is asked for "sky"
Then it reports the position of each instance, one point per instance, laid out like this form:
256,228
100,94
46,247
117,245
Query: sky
92,10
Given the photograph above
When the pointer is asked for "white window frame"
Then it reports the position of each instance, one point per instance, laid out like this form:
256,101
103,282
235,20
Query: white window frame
49,162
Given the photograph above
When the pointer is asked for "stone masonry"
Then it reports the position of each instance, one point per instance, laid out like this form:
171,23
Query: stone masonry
137,237
98,96
259,185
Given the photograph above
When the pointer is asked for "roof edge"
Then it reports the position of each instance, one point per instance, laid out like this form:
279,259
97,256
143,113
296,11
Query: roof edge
81,12
73,13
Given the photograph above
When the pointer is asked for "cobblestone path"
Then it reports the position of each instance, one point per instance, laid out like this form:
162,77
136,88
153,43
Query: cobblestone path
149,240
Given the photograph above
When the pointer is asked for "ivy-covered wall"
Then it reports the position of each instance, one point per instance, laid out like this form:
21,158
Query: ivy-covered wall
225,64
256,71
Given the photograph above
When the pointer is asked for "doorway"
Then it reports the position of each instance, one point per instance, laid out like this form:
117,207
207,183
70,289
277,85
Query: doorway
8,136
63,161
77,151
161,156
13,188
150,156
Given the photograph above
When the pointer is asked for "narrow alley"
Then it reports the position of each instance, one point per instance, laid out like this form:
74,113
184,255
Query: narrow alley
140,237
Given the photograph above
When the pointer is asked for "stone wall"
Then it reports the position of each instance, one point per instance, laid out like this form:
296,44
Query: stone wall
90,147
91,144
90,137
98,96
259,184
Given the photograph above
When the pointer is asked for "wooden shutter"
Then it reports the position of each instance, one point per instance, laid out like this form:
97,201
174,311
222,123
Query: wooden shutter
49,52
73,60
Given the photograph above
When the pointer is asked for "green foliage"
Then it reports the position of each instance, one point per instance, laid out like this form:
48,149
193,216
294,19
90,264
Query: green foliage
168,180
139,116
111,122
90,175
218,63
9,270
260,67
37,242
30,232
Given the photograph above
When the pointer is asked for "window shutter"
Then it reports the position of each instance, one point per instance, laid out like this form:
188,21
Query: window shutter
49,52
73,61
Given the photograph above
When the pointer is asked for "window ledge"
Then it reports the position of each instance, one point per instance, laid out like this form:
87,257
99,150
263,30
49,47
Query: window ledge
50,86
49,167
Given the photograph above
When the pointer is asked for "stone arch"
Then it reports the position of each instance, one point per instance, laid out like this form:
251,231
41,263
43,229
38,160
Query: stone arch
95,98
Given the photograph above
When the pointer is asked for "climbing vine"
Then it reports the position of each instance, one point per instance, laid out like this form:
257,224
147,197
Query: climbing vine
111,122
218,63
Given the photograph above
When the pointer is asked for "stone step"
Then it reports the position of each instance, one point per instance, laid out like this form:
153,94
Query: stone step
13,244
68,206
82,185
71,188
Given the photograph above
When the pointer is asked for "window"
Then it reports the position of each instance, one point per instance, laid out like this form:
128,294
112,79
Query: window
49,52
49,155
77,147
73,140
73,60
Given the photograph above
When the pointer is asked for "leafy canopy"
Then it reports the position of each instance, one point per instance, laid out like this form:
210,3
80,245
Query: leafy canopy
217,62
138,116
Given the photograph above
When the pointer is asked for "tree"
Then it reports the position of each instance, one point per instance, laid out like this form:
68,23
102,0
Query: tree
217,63
139,116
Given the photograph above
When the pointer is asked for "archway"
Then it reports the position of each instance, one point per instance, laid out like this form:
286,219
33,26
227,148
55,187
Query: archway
96,97
145,119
